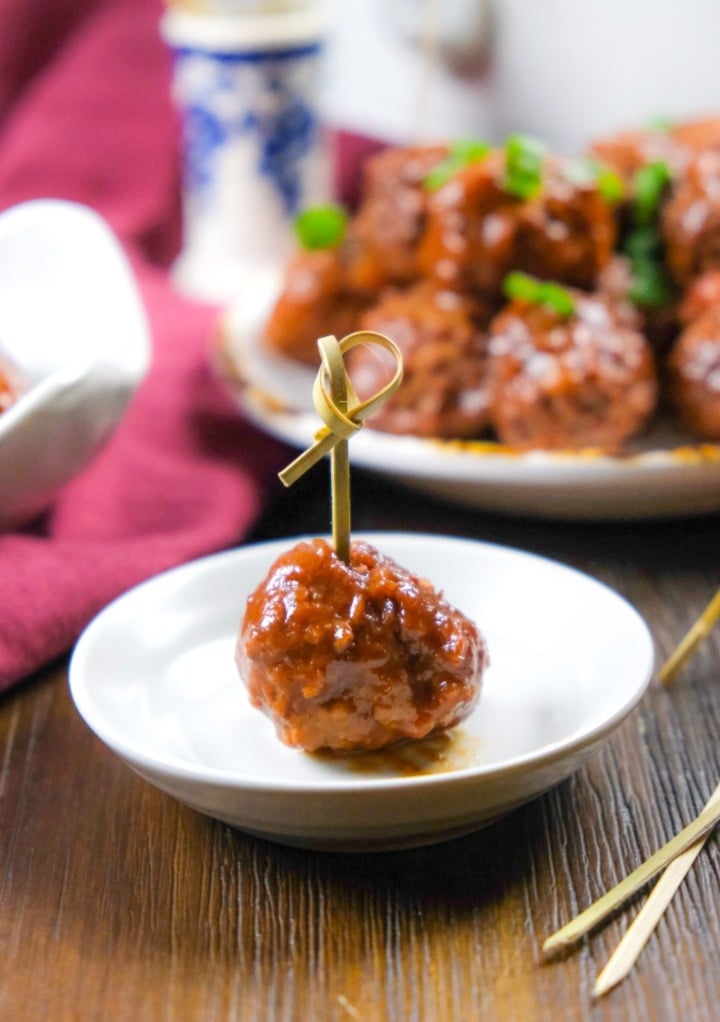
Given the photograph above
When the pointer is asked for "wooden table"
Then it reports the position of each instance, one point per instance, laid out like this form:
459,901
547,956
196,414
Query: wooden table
118,903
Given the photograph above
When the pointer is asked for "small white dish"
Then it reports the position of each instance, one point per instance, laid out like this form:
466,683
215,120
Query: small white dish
73,327
154,677
665,474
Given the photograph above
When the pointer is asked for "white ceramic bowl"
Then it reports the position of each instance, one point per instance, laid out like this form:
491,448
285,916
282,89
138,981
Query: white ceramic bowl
154,677
73,326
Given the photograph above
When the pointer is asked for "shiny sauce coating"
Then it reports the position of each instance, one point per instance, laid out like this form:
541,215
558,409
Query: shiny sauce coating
356,656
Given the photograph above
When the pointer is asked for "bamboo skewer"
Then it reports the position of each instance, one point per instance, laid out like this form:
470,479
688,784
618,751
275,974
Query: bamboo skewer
676,857
628,950
614,898
338,406
690,641
342,393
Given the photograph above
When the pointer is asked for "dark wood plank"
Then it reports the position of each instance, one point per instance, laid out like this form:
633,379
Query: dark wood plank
118,903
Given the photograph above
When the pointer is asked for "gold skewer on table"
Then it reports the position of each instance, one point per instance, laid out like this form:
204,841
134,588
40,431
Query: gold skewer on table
690,641
676,857
623,959
614,898
628,950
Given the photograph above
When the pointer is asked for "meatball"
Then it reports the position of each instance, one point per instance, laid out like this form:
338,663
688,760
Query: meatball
383,236
567,232
587,380
697,136
703,293
477,232
628,151
693,375
7,390
659,325
468,243
691,220
443,392
313,302
356,656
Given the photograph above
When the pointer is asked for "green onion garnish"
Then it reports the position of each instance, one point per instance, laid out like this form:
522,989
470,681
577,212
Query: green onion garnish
649,183
523,166
523,287
609,183
463,152
651,287
661,125
321,226
642,243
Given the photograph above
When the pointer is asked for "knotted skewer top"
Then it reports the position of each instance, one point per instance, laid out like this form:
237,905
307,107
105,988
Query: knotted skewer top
343,413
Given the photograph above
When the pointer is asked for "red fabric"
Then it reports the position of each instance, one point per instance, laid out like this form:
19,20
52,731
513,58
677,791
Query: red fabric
85,114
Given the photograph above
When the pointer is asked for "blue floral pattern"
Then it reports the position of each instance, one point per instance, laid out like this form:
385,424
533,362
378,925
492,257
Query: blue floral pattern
267,98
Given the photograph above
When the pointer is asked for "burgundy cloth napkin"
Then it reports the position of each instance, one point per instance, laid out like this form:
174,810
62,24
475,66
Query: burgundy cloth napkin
86,114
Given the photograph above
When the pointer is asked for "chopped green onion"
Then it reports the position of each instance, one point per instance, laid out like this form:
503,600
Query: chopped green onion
649,183
521,286
609,183
523,166
642,243
463,153
470,150
321,226
556,298
662,125
651,287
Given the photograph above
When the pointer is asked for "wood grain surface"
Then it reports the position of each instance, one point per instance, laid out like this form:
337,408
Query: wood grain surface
116,902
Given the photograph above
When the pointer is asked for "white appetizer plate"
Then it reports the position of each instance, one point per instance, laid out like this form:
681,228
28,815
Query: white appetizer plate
73,327
154,677
667,474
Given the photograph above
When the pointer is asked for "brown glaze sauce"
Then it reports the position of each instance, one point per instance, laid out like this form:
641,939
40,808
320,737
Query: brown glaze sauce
439,753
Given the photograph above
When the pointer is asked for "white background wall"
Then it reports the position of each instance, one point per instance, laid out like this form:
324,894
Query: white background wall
565,70
381,82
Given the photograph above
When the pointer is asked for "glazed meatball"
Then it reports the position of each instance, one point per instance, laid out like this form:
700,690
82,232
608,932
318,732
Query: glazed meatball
567,232
383,236
691,220
443,392
628,151
356,656
660,326
703,294
697,136
614,282
693,375
586,380
477,232
313,303
469,240
7,391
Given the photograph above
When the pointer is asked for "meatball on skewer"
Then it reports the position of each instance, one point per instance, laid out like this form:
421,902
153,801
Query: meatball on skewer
339,645
356,656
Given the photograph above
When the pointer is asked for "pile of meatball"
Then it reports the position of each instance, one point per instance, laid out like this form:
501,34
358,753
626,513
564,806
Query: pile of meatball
427,256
